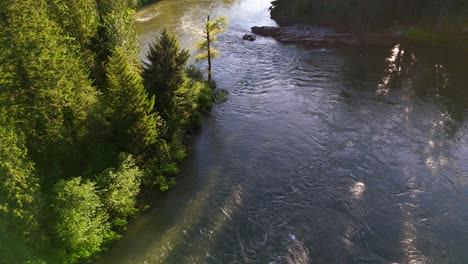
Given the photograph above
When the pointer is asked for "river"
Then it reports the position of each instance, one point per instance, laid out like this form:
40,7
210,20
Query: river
320,155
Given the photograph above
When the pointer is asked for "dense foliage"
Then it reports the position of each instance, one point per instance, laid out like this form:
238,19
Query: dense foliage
369,14
436,22
82,131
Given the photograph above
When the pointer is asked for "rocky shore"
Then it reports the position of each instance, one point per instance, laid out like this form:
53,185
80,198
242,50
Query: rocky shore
325,36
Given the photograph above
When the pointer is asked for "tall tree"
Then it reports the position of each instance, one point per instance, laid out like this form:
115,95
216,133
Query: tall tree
127,108
164,71
116,30
81,222
48,90
210,30
20,200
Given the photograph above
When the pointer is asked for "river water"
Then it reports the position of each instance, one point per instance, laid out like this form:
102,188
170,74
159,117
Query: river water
333,155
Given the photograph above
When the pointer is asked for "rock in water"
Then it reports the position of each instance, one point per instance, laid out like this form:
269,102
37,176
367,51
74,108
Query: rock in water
266,31
249,37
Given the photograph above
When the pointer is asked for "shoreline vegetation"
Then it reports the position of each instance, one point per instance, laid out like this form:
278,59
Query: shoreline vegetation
385,22
87,132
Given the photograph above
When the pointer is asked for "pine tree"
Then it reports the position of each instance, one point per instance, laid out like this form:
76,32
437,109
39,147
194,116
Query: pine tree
78,18
20,199
128,109
49,94
164,72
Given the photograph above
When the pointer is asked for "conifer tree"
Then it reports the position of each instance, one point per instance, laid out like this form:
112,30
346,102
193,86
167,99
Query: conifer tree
127,107
164,72
48,91
78,18
19,198
115,30
120,187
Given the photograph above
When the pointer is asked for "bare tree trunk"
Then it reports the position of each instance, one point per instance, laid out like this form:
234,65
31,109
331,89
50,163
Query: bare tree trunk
208,41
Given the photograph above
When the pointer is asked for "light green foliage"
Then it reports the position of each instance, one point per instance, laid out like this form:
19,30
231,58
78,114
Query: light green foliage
71,99
120,187
18,184
78,18
116,30
211,29
81,226
119,32
48,91
205,46
190,97
19,198
128,110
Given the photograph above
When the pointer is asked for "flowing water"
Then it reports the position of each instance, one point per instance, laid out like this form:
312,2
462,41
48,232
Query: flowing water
332,155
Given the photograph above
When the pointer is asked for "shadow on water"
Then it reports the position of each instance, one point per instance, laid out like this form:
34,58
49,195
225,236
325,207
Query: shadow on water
319,155
420,102
419,73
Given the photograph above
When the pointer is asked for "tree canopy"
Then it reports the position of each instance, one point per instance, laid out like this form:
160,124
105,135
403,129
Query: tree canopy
372,14
80,130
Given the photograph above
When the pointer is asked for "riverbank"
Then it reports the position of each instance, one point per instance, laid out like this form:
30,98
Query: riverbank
325,36
308,26
323,155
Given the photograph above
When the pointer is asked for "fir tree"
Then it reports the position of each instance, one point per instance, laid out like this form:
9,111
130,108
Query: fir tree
164,72
49,93
115,30
128,109
120,187
78,18
20,199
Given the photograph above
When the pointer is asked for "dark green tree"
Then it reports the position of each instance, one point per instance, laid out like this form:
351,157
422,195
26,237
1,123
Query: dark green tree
164,71
20,199
78,18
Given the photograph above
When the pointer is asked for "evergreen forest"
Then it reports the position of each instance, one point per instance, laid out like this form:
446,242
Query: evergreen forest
85,128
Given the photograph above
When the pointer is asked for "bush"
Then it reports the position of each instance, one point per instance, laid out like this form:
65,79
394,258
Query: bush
194,73
120,186
81,224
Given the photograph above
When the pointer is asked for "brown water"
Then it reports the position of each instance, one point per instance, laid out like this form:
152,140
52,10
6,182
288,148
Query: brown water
319,156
